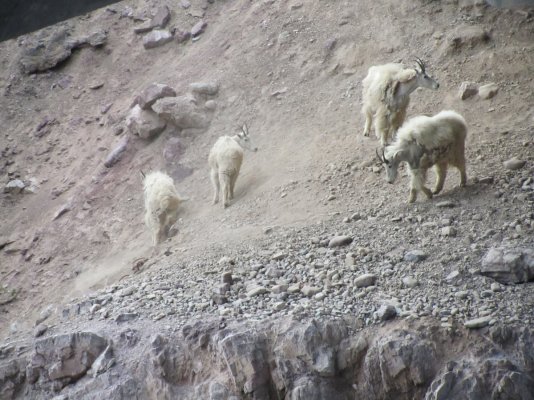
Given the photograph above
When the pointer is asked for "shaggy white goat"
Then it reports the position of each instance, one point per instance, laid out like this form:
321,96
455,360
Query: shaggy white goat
161,204
386,95
424,142
225,160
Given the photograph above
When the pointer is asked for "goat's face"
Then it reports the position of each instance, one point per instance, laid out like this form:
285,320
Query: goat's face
244,140
424,80
390,165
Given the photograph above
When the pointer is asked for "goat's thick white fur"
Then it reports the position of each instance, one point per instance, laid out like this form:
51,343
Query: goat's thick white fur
161,204
386,96
424,142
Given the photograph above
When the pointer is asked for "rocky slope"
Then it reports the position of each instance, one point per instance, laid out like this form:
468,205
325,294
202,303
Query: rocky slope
319,281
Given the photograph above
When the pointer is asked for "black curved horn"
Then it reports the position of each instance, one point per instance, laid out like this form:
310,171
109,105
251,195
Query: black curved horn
420,63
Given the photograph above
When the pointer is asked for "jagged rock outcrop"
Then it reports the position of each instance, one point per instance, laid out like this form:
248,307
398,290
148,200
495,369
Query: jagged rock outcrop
274,359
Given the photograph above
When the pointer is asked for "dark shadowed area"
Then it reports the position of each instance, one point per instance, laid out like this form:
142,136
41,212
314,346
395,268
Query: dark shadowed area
23,16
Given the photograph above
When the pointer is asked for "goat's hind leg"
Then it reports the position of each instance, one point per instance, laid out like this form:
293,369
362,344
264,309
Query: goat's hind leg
225,182
368,120
216,185
441,173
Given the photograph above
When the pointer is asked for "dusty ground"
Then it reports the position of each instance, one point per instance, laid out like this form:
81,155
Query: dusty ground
293,71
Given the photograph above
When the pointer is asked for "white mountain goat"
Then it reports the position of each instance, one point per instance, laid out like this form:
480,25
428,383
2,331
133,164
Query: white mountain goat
161,204
386,95
423,142
225,160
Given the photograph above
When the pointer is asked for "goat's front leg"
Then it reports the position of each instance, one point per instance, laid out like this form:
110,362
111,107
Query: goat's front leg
216,185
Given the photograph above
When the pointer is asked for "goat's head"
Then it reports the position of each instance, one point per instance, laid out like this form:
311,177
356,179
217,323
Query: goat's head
423,79
391,164
243,139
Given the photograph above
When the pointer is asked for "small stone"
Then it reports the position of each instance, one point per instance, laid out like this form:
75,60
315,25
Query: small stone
40,330
159,316
279,306
495,287
386,312
279,256
14,186
294,288
94,308
349,260
467,90
226,261
309,291
453,276
96,85
124,317
277,289
205,88
156,38
415,256
365,280
488,91
514,164
410,282
153,93
162,17
448,231
446,204
463,294
338,241
127,291
227,278
63,210
256,291
198,28
477,322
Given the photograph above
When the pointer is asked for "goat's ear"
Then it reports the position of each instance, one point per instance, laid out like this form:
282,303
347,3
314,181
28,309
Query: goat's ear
406,75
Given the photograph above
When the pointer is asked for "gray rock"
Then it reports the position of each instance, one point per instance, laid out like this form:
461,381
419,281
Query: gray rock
104,361
182,111
509,265
453,277
256,291
227,278
156,38
514,164
125,317
279,256
410,282
162,17
65,358
365,280
40,330
153,92
338,241
14,186
386,312
309,291
127,291
198,28
448,231
205,88
415,256
62,211
116,154
446,204
467,90
488,91
50,49
477,322
144,123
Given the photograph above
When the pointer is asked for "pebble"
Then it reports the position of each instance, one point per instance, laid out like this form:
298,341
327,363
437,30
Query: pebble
40,330
448,231
127,291
386,312
338,241
309,291
514,164
415,256
126,317
256,291
226,277
365,280
279,256
410,282
477,322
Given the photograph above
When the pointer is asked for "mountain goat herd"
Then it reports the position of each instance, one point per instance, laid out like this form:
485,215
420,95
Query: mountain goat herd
422,142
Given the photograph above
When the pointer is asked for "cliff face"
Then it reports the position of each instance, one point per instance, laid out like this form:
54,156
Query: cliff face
319,280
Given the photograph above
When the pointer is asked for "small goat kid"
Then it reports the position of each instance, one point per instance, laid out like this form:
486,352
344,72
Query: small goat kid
423,142
386,96
225,159
161,204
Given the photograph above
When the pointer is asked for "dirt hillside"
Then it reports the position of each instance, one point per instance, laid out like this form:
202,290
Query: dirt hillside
292,70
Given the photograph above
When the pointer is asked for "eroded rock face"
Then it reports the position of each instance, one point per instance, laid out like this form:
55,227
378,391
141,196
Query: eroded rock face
276,359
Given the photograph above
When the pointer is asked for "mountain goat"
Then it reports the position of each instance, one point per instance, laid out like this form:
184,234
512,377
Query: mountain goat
161,204
424,142
386,95
225,160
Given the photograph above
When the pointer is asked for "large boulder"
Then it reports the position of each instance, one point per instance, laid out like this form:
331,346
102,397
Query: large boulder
509,265
144,123
182,111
